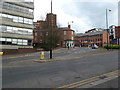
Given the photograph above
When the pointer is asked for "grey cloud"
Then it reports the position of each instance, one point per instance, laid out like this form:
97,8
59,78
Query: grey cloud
94,11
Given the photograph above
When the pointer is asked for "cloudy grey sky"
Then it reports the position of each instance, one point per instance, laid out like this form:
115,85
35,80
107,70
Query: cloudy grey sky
85,14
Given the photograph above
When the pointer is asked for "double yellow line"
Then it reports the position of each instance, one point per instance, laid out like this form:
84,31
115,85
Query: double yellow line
89,80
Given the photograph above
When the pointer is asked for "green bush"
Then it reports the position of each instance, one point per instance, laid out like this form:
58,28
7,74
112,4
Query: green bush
112,46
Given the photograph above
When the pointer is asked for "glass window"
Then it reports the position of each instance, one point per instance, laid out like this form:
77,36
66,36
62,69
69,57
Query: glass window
21,19
24,43
30,21
15,30
64,32
19,40
25,31
10,16
26,20
15,19
9,29
9,40
1,4
4,28
5,5
24,40
2,39
4,15
20,43
14,41
30,31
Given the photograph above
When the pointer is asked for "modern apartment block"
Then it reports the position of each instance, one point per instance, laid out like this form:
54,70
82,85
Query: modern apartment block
16,24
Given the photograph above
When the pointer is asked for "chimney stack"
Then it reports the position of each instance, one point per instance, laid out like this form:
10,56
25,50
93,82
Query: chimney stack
69,26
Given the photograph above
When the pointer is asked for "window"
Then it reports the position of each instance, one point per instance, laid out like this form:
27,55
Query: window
72,32
14,41
72,38
29,31
15,19
30,21
2,39
21,19
9,40
15,30
4,15
25,42
9,29
64,32
4,28
26,20
10,16
19,41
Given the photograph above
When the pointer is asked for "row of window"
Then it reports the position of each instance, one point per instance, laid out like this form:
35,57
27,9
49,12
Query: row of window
16,30
16,19
90,40
16,8
99,35
14,41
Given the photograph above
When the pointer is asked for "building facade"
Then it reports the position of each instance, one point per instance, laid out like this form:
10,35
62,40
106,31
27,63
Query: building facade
98,38
16,26
117,34
67,37
42,29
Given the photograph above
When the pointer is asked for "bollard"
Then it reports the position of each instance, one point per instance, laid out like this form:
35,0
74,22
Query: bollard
1,53
41,55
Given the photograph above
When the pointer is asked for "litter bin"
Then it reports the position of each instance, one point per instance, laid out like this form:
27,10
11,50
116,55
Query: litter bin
41,55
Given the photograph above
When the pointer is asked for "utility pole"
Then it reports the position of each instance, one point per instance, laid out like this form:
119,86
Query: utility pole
51,33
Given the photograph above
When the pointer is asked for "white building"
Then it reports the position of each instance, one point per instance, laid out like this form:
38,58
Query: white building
16,24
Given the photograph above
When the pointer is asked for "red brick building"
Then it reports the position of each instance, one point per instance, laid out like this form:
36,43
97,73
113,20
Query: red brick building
42,29
67,37
42,32
91,38
117,34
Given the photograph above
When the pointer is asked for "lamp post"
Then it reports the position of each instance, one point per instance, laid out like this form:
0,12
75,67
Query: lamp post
51,33
107,24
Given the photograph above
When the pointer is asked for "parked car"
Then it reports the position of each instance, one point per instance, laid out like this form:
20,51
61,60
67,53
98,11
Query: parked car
95,47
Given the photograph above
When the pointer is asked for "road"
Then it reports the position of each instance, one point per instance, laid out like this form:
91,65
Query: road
77,64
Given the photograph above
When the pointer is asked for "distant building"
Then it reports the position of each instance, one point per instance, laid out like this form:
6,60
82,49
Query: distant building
91,38
67,37
117,34
51,19
42,29
16,26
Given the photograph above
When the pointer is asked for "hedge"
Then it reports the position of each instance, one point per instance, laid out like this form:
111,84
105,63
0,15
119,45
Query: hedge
112,46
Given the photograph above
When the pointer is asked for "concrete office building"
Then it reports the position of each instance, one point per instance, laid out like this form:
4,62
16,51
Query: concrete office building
16,26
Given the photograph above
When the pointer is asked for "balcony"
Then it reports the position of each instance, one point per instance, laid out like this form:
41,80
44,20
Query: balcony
16,13
12,35
9,22
20,3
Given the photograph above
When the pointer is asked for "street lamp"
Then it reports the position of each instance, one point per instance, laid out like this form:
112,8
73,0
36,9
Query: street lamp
51,33
107,24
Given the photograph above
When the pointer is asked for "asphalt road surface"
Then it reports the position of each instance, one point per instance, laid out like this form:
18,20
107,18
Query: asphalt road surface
17,73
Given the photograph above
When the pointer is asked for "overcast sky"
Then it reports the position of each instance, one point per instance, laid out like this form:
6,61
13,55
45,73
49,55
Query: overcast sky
85,14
